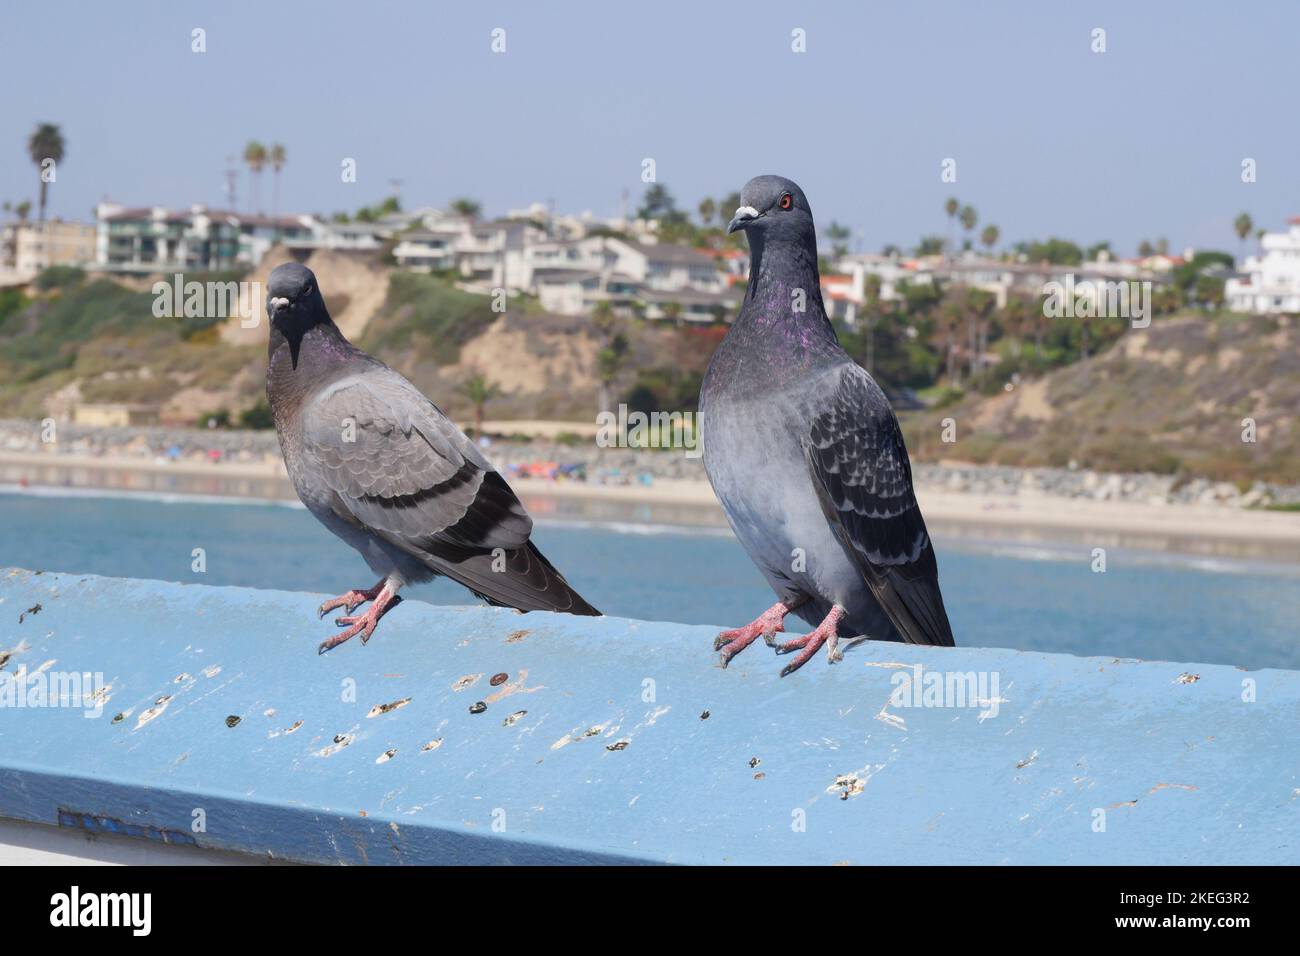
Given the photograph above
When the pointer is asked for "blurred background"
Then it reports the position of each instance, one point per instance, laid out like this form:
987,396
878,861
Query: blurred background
524,213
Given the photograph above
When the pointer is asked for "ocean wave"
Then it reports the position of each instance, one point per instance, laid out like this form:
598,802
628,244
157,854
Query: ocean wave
160,497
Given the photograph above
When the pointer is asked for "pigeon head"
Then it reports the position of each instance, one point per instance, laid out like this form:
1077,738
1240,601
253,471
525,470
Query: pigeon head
293,299
772,210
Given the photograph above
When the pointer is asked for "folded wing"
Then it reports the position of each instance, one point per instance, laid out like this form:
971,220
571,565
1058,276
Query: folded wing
398,467
860,468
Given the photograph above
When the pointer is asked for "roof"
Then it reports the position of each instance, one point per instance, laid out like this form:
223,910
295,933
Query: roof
693,297
671,252
156,213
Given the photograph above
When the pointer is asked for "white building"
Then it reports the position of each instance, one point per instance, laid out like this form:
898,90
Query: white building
155,239
27,248
1270,282
667,280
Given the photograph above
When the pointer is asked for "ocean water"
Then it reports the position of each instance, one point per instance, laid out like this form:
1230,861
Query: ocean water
1039,597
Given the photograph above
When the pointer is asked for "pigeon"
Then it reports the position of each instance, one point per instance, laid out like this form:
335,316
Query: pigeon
806,457
384,469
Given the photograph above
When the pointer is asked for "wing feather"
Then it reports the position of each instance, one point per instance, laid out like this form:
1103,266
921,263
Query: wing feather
863,478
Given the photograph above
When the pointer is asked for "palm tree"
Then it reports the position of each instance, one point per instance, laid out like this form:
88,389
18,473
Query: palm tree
46,143
23,210
602,317
707,210
1243,225
255,157
969,219
839,236
609,362
951,207
990,236
466,208
478,391
277,157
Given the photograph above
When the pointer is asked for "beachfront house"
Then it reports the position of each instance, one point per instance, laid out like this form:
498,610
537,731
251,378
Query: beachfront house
661,280
155,239
1270,281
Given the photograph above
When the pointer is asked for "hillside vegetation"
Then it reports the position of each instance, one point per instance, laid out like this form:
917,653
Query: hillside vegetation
1169,399
75,340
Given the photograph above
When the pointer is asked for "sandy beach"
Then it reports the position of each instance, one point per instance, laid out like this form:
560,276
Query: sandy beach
1025,517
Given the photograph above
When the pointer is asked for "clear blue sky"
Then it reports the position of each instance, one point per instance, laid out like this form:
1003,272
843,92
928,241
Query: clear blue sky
1142,141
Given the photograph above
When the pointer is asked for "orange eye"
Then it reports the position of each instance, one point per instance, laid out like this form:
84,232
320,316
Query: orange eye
786,201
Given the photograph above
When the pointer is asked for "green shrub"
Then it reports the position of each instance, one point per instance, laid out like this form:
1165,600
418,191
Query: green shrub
60,277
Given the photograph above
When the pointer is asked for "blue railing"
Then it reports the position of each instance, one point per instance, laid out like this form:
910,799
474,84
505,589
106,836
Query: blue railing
203,717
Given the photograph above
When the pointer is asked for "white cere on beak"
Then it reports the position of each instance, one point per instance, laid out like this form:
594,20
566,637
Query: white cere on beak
746,212
278,301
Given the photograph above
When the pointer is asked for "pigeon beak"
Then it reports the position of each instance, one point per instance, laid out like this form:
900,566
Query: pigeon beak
278,304
743,217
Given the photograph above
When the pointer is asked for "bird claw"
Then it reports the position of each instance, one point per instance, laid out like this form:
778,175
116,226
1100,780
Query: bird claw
351,600
363,624
768,624
824,633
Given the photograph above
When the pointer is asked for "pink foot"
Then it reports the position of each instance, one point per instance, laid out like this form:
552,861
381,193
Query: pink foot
363,624
824,633
770,623
352,600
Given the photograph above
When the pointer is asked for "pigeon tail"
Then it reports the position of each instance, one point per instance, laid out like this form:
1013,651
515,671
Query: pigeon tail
522,579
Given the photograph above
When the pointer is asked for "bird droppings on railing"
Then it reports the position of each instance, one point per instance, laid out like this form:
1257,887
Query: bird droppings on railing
153,712
499,679
847,786
6,656
477,707
33,611
633,693
379,709
340,741
516,636
233,721
469,680
516,686
288,730
1187,678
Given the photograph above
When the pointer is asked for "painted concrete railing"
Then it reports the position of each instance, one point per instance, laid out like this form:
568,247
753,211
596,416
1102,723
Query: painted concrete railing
219,727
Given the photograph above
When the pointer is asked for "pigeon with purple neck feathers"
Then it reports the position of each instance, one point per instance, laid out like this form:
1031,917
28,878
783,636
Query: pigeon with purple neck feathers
807,459
384,469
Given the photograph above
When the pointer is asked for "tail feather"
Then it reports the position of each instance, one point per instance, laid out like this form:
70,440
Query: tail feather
522,579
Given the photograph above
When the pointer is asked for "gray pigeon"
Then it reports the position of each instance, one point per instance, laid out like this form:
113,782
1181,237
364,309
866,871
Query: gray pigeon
806,457
381,466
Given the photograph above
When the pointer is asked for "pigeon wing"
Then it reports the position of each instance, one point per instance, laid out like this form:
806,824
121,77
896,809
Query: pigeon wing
863,479
399,467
